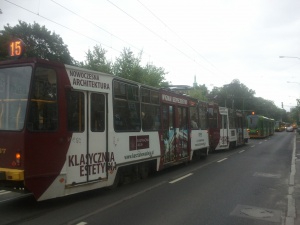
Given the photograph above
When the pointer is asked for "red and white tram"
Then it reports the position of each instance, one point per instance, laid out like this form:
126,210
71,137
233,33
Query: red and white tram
233,129
65,130
227,133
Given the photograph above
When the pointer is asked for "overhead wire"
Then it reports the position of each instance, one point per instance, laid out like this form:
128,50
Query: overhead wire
153,32
90,38
94,24
52,21
77,32
168,27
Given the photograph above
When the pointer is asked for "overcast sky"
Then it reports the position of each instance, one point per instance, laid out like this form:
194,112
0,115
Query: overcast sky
215,40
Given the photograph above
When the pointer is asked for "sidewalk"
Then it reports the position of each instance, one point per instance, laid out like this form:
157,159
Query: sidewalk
296,186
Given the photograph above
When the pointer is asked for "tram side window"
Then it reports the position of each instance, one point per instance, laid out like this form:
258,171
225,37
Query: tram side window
43,103
232,124
97,112
150,110
126,107
203,117
182,117
75,111
194,118
212,118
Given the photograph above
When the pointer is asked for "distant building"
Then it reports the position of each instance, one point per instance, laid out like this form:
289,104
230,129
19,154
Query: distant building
180,89
183,89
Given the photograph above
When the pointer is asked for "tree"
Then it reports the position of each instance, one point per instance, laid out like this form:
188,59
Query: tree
128,66
234,95
39,42
295,115
200,92
154,76
96,60
239,96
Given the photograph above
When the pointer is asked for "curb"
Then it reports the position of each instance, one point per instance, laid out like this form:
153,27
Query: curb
292,215
291,206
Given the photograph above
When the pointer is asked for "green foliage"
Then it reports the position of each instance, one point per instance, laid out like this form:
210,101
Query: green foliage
294,116
239,96
39,42
154,76
128,66
4,43
235,94
96,60
200,92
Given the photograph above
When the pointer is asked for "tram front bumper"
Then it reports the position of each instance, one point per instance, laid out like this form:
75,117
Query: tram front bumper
2,175
11,174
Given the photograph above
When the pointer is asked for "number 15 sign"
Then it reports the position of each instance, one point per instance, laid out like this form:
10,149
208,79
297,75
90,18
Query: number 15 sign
16,48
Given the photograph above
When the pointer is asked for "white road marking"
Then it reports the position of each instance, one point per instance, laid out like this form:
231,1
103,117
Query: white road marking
268,175
180,178
221,160
2,192
241,151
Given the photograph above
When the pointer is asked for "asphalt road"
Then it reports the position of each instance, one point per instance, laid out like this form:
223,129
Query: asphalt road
247,185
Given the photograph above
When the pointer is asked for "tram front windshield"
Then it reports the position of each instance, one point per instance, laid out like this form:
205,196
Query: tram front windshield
14,90
253,122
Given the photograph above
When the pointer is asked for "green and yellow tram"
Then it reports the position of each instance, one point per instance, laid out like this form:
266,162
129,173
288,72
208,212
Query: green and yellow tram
260,126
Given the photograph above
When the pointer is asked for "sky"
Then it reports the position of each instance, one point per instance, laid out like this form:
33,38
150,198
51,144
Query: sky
214,41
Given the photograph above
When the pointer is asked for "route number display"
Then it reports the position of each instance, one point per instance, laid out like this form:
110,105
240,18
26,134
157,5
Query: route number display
16,48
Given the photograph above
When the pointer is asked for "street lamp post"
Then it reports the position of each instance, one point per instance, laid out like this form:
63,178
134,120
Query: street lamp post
282,56
298,101
290,82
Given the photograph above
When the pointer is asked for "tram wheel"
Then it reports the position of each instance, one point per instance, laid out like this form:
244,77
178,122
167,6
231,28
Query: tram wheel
119,179
143,171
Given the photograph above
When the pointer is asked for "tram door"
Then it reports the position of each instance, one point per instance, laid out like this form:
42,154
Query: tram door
182,133
175,133
87,156
239,130
97,137
224,132
169,139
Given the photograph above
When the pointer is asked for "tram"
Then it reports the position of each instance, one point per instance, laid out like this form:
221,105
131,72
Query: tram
65,129
260,126
233,129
